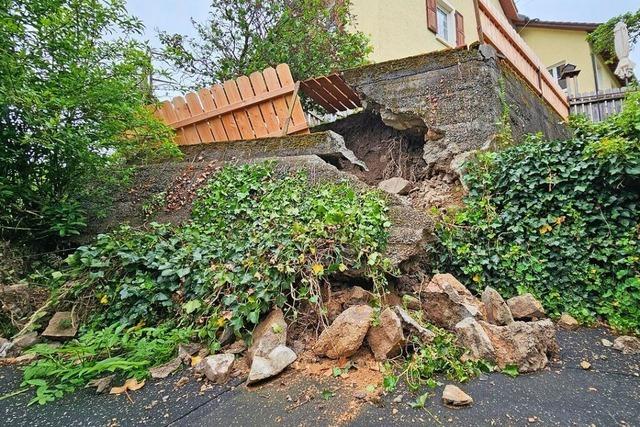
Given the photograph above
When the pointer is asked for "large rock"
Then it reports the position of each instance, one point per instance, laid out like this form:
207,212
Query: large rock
525,344
497,310
269,334
343,299
412,327
217,368
386,339
272,364
62,326
396,185
472,336
445,302
627,344
345,335
526,307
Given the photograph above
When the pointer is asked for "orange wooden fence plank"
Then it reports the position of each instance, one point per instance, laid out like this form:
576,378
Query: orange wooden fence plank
266,108
193,102
284,74
230,125
308,87
344,88
279,104
182,111
254,113
244,125
168,113
208,104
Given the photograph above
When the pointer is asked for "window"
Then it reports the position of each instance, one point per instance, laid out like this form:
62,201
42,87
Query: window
556,72
445,23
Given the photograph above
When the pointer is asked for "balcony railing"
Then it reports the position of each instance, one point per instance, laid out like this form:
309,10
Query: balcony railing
496,30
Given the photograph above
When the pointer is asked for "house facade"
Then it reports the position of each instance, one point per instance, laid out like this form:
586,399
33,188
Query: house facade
405,28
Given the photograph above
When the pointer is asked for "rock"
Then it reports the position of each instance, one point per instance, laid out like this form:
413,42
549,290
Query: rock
355,296
345,335
497,310
217,368
413,327
526,307
605,342
101,384
269,334
386,339
236,348
396,185
585,365
525,344
25,341
445,302
474,338
185,351
453,396
163,371
274,363
411,302
627,344
62,326
567,322
5,346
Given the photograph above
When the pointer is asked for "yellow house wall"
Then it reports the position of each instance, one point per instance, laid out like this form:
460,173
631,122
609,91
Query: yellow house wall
398,28
555,45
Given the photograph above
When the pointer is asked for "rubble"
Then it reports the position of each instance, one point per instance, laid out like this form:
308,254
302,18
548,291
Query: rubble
526,307
62,326
497,310
527,345
272,364
568,322
446,302
413,327
217,368
396,185
163,371
269,334
627,344
346,334
472,336
386,339
454,396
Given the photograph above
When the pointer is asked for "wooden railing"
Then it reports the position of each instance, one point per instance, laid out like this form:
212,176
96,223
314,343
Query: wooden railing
496,30
597,106
262,105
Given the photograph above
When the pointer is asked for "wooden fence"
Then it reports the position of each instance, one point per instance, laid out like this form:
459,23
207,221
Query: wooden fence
261,105
597,106
497,31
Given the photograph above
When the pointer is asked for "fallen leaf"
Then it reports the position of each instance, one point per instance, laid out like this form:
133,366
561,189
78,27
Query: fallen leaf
195,360
163,371
130,385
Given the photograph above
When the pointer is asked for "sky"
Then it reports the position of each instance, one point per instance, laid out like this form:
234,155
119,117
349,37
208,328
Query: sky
175,16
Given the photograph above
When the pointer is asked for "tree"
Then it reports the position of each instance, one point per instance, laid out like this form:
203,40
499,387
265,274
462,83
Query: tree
602,38
72,110
243,36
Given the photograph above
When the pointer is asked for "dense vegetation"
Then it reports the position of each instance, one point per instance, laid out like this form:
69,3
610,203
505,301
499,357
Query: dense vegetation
602,39
559,219
72,110
243,36
257,239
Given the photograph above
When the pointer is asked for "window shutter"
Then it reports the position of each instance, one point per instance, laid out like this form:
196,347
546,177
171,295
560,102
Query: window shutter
432,16
459,29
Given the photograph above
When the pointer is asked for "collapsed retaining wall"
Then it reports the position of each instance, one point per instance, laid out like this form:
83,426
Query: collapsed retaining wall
453,100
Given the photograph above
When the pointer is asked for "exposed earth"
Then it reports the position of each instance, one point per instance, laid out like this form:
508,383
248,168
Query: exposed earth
607,394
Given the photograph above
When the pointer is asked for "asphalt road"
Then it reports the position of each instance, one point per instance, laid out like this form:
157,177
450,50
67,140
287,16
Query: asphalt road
564,394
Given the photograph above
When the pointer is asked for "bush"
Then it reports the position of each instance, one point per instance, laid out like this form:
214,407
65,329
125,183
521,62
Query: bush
257,240
72,111
559,219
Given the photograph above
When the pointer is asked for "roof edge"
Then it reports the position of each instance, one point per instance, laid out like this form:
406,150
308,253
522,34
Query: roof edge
559,25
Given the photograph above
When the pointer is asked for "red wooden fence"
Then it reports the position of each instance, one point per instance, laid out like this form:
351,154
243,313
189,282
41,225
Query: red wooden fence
262,105
496,30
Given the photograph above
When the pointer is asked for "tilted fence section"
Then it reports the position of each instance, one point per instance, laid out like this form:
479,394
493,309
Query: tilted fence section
496,30
597,106
264,104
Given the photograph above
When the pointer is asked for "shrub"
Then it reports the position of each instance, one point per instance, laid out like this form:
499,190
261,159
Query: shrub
559,219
